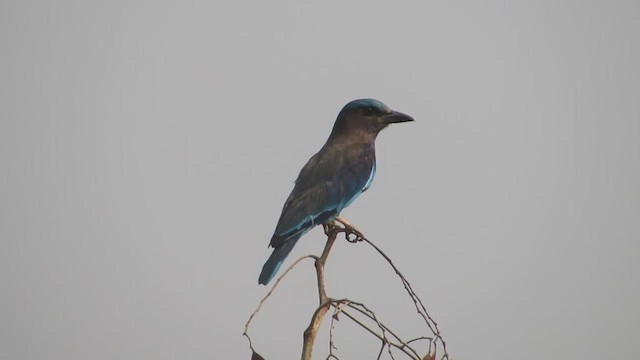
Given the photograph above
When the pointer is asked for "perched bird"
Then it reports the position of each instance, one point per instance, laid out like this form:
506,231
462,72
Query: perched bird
332,178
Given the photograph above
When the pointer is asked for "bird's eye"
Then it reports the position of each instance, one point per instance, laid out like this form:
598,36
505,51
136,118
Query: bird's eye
368,111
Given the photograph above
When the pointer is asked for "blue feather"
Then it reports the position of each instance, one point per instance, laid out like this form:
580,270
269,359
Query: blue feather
360,103
371,176
273,264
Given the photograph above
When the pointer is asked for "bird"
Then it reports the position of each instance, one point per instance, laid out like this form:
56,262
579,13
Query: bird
332,178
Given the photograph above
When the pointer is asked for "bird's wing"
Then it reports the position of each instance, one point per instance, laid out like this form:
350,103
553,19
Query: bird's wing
329,182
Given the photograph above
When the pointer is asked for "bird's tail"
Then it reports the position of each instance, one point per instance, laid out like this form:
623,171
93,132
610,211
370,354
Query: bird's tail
271,267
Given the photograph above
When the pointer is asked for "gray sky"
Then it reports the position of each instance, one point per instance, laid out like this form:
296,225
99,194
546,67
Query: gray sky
147,149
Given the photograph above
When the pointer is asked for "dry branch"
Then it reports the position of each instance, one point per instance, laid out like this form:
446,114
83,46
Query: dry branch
388,338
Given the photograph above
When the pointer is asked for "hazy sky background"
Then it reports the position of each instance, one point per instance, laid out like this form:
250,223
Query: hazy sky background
147,148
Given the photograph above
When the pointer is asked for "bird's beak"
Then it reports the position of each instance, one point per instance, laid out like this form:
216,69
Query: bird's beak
396,117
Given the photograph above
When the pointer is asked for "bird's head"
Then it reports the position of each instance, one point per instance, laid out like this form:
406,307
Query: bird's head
366,117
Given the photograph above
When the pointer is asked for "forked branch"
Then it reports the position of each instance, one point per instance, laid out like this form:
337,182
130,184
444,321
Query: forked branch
362,315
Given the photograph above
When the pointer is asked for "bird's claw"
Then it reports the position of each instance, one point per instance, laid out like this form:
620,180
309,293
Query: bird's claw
353,237
329,227
351,234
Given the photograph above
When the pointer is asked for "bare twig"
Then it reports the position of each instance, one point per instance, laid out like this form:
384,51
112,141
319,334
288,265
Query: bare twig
420,308
337,309
370,314
309,336
413,354
264,299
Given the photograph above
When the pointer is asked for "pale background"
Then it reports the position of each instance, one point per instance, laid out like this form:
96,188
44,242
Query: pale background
147,148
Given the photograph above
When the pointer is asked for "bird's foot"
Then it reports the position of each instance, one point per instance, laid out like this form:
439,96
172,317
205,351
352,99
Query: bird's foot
329,227
350,232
